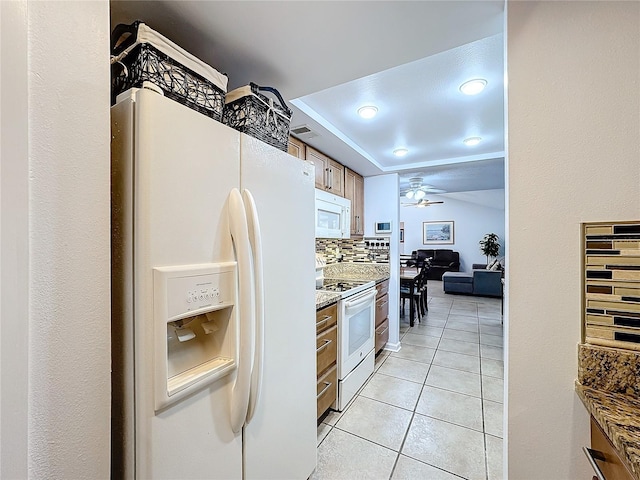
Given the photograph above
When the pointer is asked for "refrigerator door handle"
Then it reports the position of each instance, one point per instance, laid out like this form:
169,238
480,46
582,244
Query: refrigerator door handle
255,238
246,306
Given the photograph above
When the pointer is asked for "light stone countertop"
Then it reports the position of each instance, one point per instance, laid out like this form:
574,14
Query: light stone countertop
324,298
377,272
609,386
350,271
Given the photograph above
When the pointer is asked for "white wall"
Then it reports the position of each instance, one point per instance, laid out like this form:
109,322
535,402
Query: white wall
381,204
14,241
60,314
573,156
471,222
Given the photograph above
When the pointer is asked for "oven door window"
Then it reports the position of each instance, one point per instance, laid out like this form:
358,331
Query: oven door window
360,330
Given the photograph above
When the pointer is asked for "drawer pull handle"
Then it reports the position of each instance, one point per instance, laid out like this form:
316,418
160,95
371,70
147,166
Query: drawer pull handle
383,331
383,304
324,321
325,345
324,390
594,455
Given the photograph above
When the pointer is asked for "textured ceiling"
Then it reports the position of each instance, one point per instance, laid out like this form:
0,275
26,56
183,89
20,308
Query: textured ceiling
334,55
421,108
461,177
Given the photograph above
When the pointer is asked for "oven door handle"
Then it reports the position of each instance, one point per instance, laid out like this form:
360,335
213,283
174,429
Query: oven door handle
356,304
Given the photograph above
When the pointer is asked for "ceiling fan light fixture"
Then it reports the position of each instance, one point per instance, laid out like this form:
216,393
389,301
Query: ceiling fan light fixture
471,141
419,195
473,87
409,194
400,152
368,111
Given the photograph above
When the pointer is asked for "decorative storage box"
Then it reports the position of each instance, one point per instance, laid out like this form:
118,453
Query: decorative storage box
611,280
147,59
250,112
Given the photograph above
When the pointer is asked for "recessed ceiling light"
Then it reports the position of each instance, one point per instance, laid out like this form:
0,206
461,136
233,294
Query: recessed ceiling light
473,87
368,111
471,141
400,152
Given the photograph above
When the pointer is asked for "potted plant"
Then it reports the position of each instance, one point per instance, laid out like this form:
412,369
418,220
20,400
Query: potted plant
489,246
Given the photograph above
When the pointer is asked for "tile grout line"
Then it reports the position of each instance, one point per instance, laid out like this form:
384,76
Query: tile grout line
413,413
447,313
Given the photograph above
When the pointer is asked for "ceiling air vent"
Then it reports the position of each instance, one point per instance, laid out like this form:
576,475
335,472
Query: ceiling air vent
303,132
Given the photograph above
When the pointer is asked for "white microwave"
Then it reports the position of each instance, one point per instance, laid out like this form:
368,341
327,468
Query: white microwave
333,215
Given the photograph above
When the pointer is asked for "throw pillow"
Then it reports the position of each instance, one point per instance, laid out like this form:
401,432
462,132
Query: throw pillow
495,266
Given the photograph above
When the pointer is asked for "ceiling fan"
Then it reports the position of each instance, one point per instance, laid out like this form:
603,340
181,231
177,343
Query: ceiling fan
417,190
422,203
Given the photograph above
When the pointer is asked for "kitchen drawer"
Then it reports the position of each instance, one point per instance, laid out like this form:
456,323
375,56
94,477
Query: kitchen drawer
611,465
327,390
382,335
326,318
382,309
382,288
327,349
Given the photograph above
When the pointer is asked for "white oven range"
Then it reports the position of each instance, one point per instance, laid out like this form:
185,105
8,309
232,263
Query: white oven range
356,335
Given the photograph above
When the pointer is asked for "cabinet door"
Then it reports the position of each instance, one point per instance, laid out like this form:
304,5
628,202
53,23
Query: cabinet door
354,191
335,177
382,335
349,192
382,309
321,162
296,148
327,391
359,204
611,464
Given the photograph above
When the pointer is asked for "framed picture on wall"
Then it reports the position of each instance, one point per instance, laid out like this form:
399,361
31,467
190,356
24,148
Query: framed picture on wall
437,233
402,235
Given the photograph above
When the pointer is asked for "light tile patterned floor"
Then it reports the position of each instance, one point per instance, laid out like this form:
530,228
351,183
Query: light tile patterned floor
433,410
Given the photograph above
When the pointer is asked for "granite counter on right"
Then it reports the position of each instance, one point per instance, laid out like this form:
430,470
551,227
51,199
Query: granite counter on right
609,386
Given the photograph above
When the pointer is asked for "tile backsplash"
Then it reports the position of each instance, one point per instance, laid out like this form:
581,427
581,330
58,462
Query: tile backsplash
350,250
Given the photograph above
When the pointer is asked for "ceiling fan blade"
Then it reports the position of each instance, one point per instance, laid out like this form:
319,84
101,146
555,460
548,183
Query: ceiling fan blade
432,203
433,190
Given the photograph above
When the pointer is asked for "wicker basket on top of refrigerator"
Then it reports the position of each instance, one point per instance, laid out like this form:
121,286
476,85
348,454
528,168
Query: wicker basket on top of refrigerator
143,58
249,111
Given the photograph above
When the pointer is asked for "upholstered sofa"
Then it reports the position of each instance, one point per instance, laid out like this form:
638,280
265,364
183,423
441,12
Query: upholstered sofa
442,260
478,282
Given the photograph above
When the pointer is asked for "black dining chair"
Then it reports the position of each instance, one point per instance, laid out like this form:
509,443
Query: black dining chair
417,297
424,274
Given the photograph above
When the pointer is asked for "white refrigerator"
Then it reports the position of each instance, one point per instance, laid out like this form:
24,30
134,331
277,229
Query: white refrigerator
213,302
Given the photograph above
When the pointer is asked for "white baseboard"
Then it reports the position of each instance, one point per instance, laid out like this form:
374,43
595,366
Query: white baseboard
393,347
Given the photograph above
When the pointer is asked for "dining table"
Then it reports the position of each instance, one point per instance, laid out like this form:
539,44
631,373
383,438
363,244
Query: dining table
408,279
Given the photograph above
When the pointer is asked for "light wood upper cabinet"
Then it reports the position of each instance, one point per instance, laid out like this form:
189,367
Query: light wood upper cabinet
354,191
336,177
296,148
321,162
329,173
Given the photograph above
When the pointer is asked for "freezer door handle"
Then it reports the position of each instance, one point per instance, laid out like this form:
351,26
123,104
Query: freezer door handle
240,236
255,239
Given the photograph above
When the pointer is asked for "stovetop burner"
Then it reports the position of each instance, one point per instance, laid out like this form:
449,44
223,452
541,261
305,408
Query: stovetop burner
339,285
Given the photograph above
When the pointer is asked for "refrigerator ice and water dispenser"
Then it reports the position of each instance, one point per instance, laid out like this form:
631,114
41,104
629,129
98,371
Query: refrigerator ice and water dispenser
195,328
